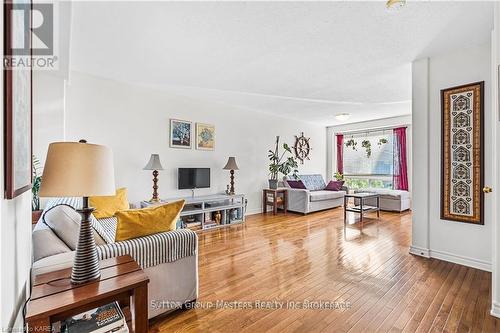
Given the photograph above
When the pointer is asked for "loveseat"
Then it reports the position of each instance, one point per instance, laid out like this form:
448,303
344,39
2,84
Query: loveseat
170,259
314,197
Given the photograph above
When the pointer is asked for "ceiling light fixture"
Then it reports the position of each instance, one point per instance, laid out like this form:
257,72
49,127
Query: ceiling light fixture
395,4
343,116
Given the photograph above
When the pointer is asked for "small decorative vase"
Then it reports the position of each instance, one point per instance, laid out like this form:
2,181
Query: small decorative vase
273,184
217,217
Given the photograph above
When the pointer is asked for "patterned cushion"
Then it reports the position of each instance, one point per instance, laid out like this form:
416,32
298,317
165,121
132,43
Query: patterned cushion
108,226
313,182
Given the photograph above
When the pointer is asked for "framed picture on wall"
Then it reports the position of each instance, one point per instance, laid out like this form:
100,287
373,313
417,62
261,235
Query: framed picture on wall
17,101
462,153
181,134
205,136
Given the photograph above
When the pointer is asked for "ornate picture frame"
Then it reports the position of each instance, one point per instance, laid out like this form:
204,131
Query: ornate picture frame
18,108
462,153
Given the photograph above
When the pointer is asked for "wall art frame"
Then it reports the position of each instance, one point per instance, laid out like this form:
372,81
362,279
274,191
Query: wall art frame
18,108
181,134
462,153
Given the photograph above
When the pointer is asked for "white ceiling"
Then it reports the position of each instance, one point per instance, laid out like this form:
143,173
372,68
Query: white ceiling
303,60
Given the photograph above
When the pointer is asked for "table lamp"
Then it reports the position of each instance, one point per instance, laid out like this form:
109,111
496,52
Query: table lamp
80,169
231,166
155,165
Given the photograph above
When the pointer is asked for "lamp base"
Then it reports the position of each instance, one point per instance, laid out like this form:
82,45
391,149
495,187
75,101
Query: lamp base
86,263
154,200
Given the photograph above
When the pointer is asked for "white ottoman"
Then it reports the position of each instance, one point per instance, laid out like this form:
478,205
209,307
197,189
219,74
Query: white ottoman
390,200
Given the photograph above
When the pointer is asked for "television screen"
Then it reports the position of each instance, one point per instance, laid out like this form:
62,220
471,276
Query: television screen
190,178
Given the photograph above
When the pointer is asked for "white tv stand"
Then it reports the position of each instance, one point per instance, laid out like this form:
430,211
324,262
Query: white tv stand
199,212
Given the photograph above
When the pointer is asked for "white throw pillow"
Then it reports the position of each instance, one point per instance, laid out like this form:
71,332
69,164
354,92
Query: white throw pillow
65,223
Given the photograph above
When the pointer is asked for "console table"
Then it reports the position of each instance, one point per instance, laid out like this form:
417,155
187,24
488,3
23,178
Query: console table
208,211
54,298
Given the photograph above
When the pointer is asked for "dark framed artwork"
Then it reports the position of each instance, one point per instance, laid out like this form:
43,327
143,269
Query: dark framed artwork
17,102
462,153
181,134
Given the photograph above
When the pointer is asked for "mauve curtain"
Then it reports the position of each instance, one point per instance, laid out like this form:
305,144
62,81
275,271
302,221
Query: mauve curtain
340,153
400,172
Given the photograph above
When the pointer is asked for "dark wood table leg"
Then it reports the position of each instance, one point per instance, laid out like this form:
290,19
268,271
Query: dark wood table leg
275,203
40,325
361,213
285,201
140,309
378,207
264,202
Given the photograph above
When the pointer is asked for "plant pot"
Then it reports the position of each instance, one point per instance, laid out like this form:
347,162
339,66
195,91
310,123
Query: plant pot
273,184
35,216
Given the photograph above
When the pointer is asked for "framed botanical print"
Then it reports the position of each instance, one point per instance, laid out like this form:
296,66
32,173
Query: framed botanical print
181,134
462,153
17,102
205,136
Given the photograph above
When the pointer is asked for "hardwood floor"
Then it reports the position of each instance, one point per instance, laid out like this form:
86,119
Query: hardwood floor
306,258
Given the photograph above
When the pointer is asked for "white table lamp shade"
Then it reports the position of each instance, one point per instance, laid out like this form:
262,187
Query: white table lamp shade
231,164
154,163
74,169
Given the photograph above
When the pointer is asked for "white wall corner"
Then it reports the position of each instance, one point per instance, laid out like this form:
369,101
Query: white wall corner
420,164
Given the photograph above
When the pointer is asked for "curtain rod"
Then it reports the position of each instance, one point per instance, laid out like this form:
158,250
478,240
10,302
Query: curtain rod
370,130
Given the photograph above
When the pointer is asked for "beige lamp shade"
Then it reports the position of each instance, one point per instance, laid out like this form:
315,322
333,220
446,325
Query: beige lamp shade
154,163
231,164
78,169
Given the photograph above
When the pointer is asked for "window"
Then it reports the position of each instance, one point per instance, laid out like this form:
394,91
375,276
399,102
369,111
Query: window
368,159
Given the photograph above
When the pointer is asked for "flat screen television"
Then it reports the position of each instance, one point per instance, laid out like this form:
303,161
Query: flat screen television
191,178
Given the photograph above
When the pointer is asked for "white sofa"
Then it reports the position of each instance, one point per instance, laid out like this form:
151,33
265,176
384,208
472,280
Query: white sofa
172,282
314,198
390,200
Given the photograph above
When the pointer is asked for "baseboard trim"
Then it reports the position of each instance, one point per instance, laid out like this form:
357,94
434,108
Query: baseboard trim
456,259
420,251
495,309
253,211
461,260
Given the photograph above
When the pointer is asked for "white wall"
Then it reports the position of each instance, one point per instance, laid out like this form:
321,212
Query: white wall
463,243
366,125
15,245
495,72
134,121
48,115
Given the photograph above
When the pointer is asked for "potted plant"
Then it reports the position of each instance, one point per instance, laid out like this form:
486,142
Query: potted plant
280,163
36,166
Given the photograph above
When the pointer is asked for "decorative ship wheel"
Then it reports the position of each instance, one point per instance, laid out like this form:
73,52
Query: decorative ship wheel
302,147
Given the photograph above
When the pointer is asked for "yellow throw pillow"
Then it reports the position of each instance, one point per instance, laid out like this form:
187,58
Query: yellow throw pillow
108,206
135,223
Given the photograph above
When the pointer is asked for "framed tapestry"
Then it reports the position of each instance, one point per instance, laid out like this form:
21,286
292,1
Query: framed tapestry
181,134
17,101
462,153
205,136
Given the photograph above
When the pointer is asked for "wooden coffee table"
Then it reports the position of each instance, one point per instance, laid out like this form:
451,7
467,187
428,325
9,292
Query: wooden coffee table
362,208
54,298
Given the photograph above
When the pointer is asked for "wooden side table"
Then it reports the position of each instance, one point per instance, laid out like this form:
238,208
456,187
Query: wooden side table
274,198
54,298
